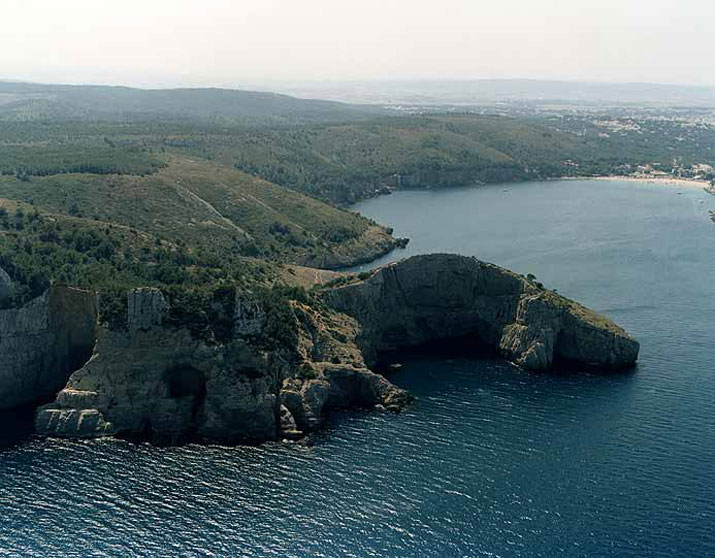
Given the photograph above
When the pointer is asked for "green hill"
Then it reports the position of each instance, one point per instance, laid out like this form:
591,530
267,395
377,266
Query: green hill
216,209
344,162
112,187
28,101
190,216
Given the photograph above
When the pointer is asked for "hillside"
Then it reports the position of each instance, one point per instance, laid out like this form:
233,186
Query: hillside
189,215
345,162
336,152
28,101
114,187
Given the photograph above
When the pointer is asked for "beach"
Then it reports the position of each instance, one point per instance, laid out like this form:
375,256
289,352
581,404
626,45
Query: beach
666,181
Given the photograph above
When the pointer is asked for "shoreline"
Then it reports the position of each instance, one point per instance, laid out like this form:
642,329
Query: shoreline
664,181
693,183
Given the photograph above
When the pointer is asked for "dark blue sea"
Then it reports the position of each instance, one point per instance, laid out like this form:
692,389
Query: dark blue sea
490,460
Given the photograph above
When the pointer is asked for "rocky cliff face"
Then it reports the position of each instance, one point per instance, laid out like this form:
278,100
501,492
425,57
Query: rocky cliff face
158,380
43,342
441,296
7,289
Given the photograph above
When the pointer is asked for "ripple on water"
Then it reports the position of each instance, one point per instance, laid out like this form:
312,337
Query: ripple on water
489,461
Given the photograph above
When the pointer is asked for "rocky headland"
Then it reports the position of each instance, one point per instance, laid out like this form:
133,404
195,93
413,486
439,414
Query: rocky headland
168,382
443,296
253,372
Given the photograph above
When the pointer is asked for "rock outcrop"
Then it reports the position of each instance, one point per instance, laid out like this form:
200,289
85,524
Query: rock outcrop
159,380
43,342
236,379
7,289
442,296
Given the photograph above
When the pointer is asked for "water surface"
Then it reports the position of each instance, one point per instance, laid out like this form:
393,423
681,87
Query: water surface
490,460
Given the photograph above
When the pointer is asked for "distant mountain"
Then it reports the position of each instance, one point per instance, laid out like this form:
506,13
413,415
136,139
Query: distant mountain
27,101
487,91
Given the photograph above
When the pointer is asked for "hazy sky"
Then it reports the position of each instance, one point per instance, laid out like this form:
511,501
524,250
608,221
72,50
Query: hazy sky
239,42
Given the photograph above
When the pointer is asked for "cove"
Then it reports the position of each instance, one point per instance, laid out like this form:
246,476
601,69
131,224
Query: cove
490,459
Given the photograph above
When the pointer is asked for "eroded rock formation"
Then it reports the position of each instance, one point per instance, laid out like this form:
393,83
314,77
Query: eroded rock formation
159,378
43,342
440,296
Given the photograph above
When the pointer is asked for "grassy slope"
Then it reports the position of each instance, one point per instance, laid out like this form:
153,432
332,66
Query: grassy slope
210,208
25,101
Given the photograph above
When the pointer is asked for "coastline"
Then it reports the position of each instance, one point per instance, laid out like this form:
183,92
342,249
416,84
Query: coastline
703,185
664,181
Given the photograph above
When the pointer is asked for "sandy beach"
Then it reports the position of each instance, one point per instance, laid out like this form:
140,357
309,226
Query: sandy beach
664,181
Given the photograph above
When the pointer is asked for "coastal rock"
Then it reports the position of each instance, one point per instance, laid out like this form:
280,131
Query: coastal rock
306,401
168,381
443,296
165,385
359,387
146,307
43,342
157,380
85,423
288,423
7,290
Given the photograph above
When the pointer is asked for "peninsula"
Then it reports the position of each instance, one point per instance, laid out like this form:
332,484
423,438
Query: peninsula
250,371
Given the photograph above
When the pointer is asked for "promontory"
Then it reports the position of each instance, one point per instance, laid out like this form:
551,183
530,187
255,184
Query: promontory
243,368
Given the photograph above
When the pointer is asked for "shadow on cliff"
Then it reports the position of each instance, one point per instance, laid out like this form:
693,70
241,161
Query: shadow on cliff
468,346
471,348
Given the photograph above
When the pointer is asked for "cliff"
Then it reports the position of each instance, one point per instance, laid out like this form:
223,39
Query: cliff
253,373
441,296
159,380
43,342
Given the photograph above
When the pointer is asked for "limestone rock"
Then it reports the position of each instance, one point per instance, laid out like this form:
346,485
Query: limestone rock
162,380
146,307
249,316
167,386
7,290
288,423
306,401
443,296
43,342
360,387
84,423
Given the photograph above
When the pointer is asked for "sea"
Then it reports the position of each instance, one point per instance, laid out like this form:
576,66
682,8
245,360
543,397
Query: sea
489,460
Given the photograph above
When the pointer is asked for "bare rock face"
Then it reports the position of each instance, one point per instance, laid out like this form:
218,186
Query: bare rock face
441,296
7,290
43,342
158,380
168,381
146,307
163,383
249,316
306,401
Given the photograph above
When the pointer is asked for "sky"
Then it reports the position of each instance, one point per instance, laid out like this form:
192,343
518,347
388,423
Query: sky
233,43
